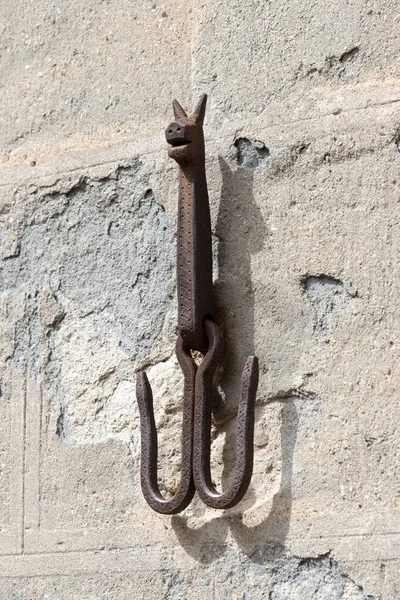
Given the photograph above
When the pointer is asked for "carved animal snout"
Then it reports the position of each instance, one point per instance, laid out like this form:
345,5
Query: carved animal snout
176,134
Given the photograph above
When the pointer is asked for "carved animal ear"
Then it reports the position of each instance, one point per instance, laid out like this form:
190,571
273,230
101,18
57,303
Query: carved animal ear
178,110
200,109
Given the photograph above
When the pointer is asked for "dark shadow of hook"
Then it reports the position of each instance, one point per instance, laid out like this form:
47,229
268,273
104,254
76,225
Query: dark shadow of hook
276,526
241,231
208,542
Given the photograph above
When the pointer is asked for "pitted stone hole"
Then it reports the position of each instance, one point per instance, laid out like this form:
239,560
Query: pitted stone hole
251,154
397,140
328,299
349,55
62,429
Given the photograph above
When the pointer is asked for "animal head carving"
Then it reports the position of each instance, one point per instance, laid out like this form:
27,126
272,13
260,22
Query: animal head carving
185,133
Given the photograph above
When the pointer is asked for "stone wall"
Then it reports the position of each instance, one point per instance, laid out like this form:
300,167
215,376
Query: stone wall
302,142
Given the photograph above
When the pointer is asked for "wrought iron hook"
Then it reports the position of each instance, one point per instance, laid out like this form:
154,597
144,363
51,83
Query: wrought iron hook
202,425
198,331
149,445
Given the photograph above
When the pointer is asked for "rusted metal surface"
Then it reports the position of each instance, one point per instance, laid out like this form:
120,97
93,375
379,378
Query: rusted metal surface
149,446
198,331
194,256
202,425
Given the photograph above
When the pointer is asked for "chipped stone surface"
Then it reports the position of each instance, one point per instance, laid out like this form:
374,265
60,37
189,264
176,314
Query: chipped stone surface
251,153
310,578
328,299
302,146
89,265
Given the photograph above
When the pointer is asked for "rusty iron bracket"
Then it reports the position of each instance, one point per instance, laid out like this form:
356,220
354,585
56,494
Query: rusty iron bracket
198,331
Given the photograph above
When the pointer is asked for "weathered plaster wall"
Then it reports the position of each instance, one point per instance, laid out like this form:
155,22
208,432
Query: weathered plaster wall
303,138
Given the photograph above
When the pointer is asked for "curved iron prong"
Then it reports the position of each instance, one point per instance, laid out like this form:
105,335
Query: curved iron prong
202,428
149,446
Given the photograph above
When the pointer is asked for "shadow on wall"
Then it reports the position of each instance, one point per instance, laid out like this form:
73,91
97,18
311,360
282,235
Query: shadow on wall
241,232
268,567
208,542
